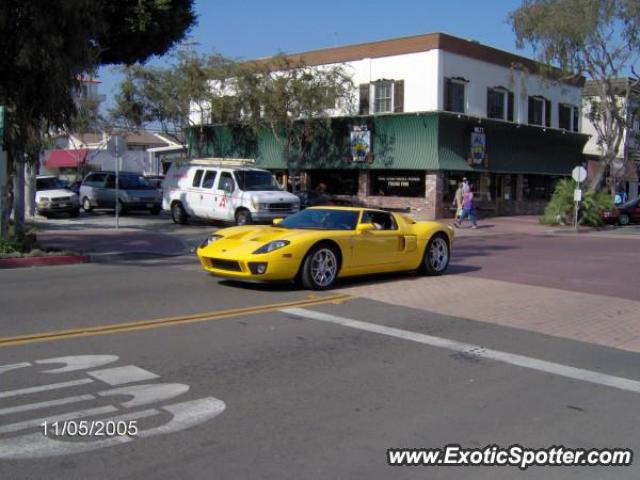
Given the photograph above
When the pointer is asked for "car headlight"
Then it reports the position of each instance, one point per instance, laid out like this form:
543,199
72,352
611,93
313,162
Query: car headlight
44,200
271,246
209,240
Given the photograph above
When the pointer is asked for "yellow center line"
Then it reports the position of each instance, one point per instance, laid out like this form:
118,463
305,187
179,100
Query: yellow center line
163,322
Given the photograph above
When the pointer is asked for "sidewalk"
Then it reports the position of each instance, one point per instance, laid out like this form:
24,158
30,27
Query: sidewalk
102,244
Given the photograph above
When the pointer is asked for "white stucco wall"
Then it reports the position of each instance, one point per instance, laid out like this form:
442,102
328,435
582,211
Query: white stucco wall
483,75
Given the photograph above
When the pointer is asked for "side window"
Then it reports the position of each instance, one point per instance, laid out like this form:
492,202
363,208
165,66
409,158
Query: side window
197,177
209,179
226,182
379,220
111,182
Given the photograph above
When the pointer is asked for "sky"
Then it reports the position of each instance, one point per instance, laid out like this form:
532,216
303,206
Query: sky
249,29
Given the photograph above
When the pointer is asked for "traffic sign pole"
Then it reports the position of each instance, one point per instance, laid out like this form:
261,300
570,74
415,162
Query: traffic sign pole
579,174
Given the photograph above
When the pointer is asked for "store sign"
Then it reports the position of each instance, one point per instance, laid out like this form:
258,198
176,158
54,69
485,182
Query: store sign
397,184
361,145
478,146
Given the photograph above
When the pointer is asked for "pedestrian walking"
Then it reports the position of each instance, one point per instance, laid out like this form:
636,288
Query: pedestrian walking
468,208
457,203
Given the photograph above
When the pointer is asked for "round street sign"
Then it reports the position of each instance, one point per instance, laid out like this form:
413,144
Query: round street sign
579,174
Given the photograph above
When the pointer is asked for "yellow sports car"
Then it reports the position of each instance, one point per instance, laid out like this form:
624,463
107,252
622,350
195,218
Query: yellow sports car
320,244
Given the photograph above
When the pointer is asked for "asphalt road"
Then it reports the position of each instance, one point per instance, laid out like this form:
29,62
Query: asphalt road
247,381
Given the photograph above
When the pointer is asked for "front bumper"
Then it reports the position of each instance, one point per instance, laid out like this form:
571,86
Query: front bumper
143,205
58,208
268,216
279,265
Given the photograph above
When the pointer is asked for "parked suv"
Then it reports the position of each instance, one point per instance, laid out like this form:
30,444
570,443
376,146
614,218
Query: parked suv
53,196
225,190
98,190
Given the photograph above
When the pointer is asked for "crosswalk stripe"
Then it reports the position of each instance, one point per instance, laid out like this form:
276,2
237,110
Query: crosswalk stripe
36,422
44,388
49,403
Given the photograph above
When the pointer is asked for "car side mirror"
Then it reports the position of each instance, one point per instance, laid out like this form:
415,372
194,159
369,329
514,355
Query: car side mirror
276,221
364,227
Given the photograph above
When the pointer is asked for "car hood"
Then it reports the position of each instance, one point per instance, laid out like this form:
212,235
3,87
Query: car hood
245,240
58,193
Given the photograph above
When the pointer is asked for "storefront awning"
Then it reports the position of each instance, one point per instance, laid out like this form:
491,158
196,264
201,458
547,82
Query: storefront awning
63,158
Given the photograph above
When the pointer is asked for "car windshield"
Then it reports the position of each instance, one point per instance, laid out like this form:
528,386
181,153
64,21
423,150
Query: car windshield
322,219
134,182
255,180
51,183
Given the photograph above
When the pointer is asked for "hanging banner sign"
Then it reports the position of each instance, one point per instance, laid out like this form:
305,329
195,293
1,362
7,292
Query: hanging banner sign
360,143
478,145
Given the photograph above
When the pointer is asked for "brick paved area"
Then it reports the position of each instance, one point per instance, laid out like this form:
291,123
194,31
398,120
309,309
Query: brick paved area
518,273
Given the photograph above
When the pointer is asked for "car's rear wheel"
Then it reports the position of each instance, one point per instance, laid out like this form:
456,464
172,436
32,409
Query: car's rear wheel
436,256
624,219
243,217
320,268
86,205
178,215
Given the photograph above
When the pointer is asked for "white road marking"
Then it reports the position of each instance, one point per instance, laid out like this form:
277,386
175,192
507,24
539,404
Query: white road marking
149,393
44,388
49,403
476,351
36,422
13,366
122,375
78,362
185,415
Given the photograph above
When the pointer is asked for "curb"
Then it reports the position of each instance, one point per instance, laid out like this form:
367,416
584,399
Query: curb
21,262
109,257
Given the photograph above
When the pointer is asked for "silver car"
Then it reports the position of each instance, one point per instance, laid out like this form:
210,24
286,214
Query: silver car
98,190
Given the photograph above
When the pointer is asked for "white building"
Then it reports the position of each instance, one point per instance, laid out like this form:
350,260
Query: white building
440,108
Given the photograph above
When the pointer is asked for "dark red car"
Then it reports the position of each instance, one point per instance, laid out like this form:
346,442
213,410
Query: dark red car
623,214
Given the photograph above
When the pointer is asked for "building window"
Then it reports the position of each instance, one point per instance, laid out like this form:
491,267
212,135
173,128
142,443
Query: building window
538,187
397,183
388,96
454,94
568,117
500,104
539,111
335,182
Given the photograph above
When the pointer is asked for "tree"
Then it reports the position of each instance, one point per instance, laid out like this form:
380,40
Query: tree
291,100
596,38
174,98
284,97
46,51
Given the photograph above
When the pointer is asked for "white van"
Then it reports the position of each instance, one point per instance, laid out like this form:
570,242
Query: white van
224,190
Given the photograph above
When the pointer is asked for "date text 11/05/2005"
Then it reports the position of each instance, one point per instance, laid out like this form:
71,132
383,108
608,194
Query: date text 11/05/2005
86,428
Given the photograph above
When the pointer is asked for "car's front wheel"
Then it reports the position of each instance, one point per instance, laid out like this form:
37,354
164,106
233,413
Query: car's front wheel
320,268
74,213
436,256
243,217
624,219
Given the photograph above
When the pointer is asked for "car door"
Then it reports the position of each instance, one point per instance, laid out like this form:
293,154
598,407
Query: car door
207,200
193,193
380,248
107,194
634,212
224,205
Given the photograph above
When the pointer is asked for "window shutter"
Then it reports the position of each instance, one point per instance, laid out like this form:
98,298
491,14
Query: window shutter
364,99
576,113
510,107
398,96
547,113
447,85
